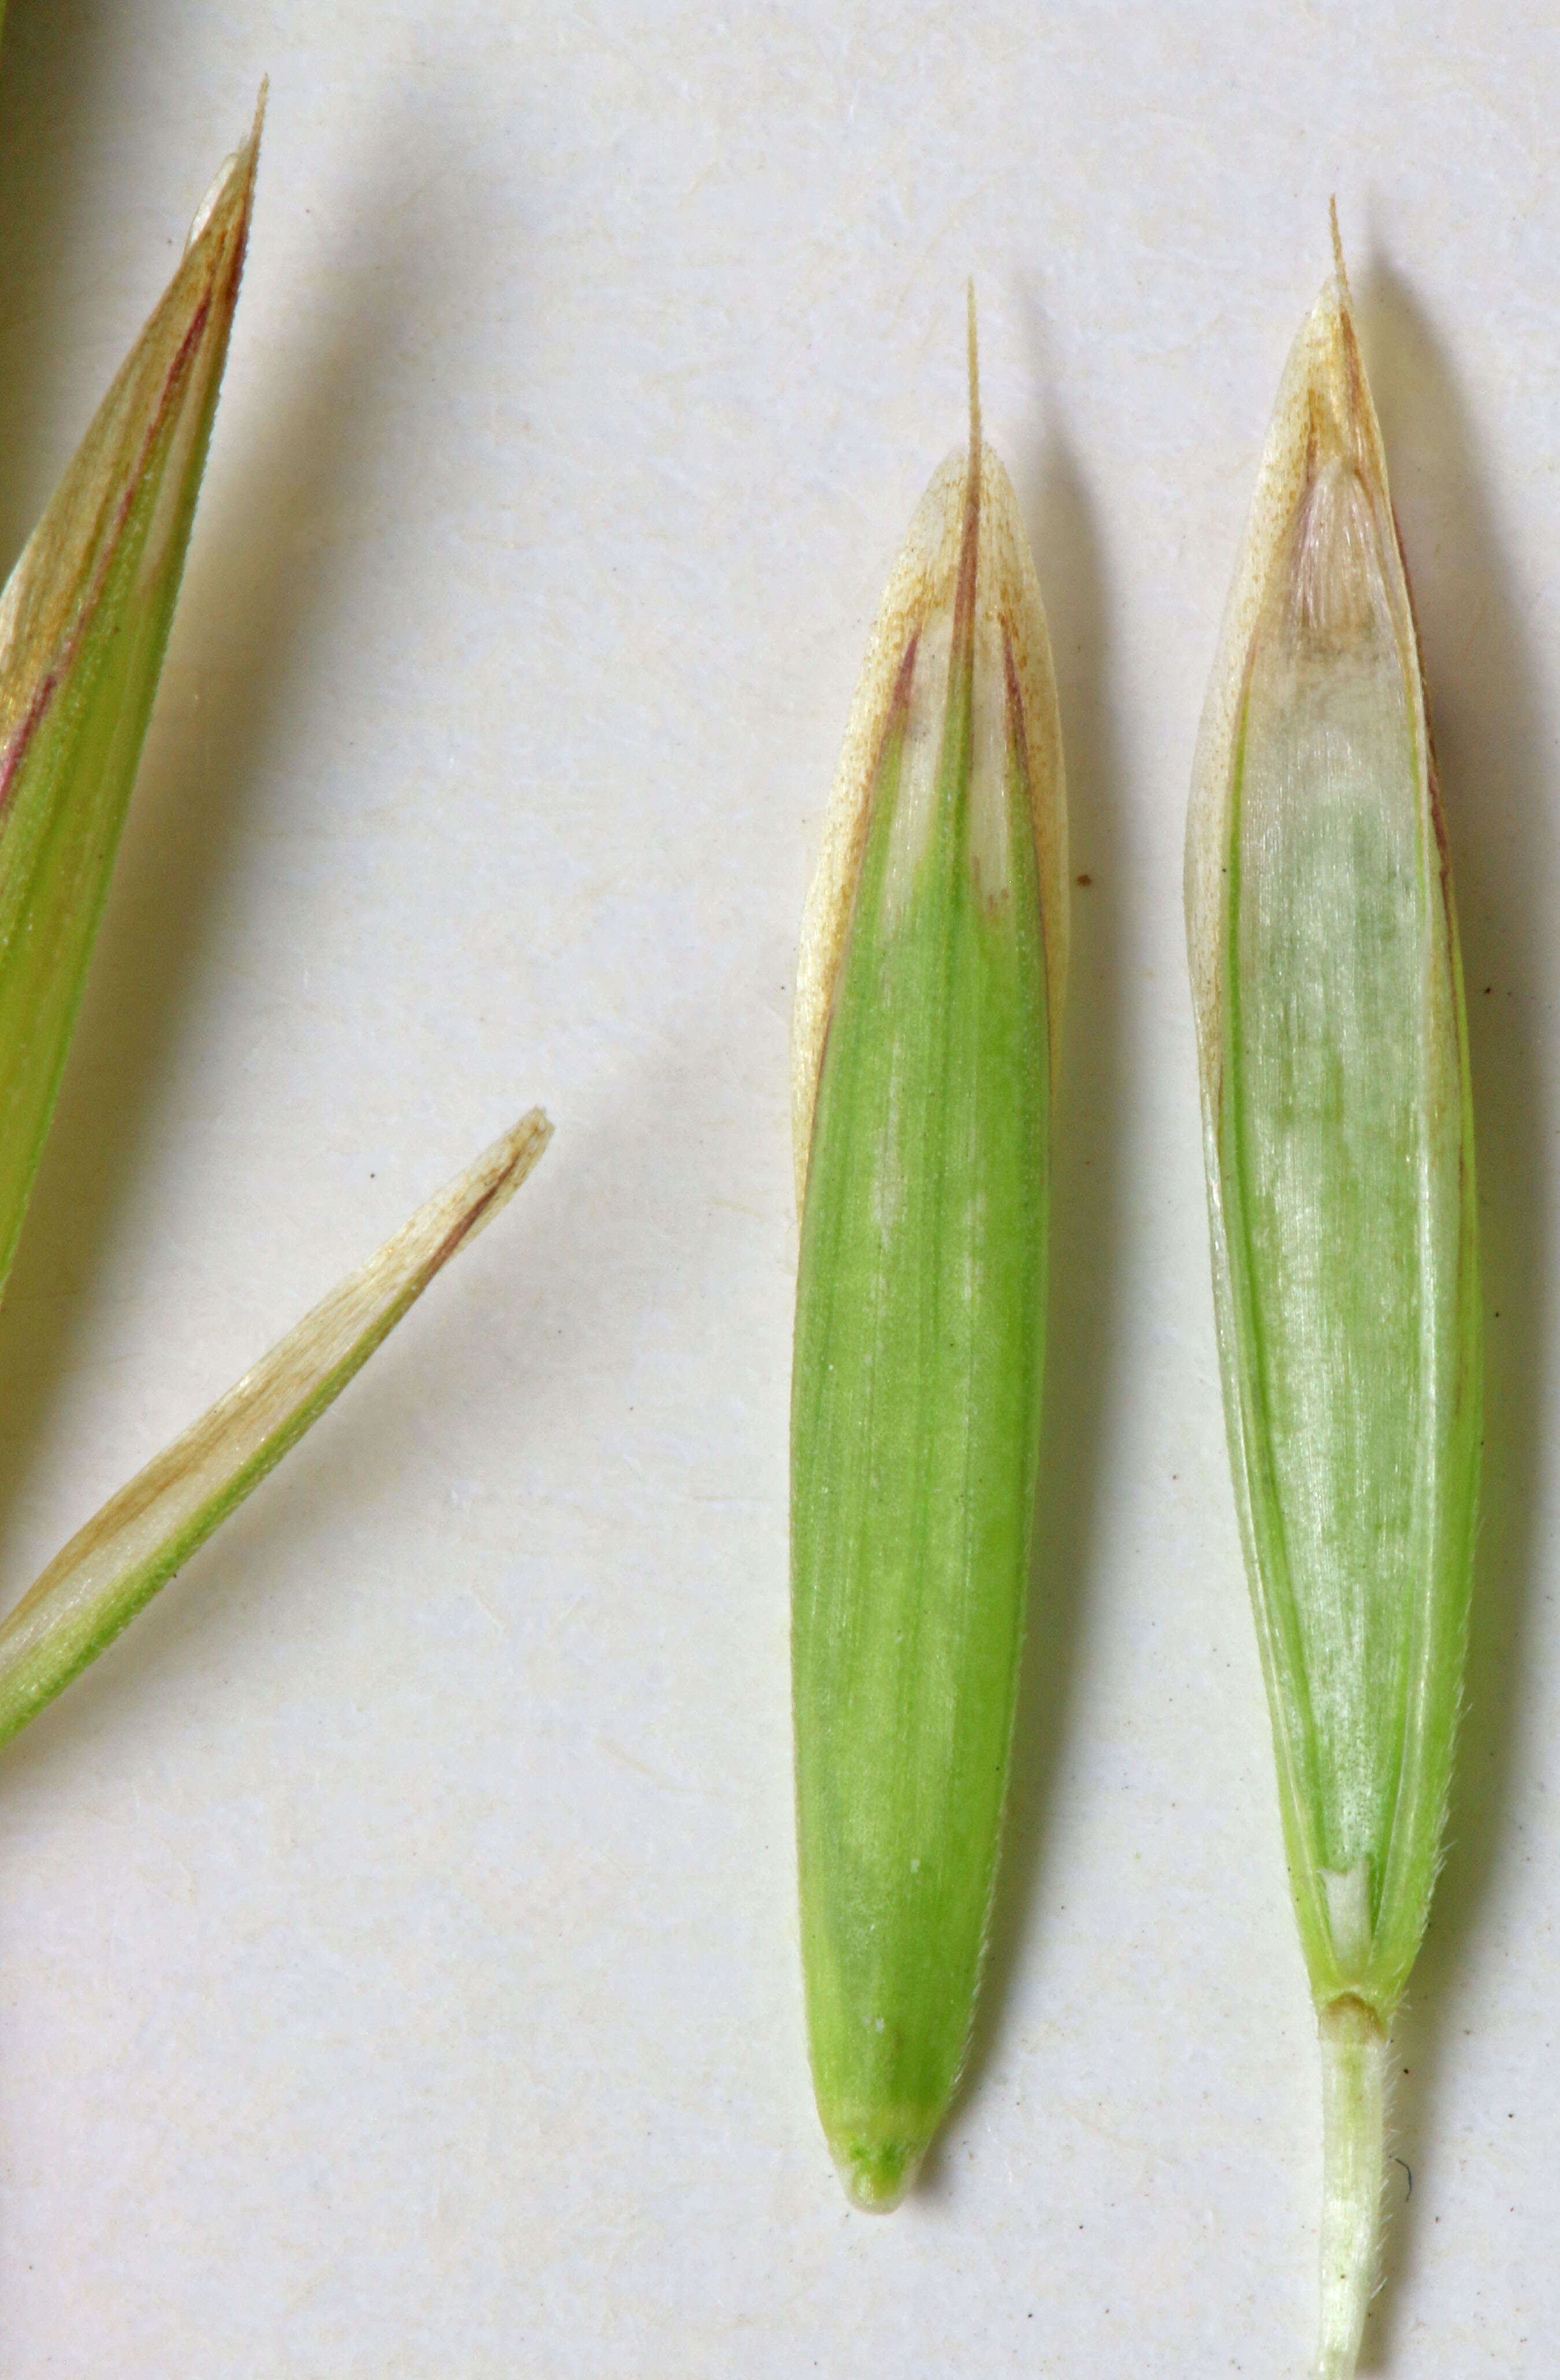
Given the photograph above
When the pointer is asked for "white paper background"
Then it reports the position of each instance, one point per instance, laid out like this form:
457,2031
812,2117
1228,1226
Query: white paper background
397,1958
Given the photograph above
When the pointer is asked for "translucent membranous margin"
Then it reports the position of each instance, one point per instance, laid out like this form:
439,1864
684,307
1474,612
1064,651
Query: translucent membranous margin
918,588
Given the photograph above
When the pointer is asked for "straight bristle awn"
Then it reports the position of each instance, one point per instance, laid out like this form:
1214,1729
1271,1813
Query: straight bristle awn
1339,1143
927,1009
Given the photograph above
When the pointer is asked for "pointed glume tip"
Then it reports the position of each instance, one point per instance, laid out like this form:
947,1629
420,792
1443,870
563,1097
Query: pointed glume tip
974,370
241,161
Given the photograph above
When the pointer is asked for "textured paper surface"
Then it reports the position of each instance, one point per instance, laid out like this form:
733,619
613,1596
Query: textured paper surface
397,1957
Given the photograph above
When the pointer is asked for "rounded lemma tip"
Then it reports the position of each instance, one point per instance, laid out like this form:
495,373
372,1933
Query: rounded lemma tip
876,2174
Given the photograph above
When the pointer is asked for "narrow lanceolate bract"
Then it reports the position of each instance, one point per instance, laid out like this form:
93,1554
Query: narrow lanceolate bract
84,620
96,1584
928,1004
1339,1145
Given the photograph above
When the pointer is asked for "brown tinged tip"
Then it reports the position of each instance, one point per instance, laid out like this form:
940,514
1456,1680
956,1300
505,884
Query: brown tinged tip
495,1178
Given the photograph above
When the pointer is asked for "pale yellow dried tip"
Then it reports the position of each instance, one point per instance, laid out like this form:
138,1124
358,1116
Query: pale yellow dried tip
98,1582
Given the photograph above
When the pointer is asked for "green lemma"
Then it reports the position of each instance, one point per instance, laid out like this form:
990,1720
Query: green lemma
928,1003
